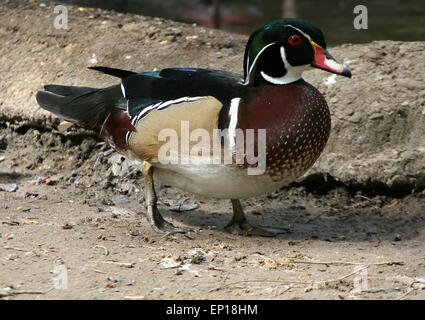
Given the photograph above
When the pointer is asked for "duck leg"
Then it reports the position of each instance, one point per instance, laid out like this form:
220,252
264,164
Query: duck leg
240,225
157,222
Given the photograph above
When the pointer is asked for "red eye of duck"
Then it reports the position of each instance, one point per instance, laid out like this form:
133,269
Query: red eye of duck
294,40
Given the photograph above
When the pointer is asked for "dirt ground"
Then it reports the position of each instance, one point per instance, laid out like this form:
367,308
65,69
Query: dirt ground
72,226
72,222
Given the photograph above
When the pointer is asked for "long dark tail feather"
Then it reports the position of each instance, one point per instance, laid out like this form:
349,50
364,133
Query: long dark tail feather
119,73
86,106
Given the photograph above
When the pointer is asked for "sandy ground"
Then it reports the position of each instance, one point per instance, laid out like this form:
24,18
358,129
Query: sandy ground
73,226
72,222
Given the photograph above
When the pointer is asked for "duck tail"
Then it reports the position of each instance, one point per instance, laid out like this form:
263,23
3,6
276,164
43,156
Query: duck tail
88,107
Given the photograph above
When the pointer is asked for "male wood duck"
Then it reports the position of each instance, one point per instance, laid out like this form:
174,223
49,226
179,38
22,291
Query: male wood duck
288,118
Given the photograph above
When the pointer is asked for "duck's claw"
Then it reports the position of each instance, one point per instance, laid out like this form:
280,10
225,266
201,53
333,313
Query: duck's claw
247,229
240,225
159,224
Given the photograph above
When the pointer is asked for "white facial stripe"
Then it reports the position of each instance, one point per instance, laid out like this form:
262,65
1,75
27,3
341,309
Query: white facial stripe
300,31
255,61
292,73
283,55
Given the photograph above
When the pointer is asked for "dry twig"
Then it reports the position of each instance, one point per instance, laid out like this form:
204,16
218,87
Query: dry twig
10,292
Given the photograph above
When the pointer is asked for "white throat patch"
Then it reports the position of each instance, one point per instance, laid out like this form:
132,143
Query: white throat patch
293,73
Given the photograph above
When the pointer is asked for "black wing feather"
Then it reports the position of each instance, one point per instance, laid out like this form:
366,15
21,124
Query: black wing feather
144,89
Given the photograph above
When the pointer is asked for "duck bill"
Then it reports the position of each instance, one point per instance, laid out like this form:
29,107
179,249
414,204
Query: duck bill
323,60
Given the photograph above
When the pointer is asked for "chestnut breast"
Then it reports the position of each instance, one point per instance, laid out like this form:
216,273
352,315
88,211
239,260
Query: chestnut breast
297,122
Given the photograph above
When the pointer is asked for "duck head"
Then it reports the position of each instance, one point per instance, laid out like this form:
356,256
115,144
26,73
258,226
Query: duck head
280,51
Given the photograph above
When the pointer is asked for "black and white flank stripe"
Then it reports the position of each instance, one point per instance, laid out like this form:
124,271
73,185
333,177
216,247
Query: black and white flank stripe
158,106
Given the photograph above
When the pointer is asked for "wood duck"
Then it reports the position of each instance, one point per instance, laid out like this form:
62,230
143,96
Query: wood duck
271,109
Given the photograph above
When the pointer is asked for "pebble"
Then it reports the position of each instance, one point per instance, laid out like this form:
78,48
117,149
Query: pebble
180,205
376,115
120,199
170,38
9,187
410,84
120,166
129,188
374,55
121,212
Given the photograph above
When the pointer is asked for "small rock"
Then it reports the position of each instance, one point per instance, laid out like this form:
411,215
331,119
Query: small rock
52,181
38,180
120,166
373,55
4,292
376,115
93,59
410,84
12,256
168,263
240,257
274,194
9,187
129,188
121,212
329,81
197,258
419,283
120,199
132,26
30,195
181,205
170,38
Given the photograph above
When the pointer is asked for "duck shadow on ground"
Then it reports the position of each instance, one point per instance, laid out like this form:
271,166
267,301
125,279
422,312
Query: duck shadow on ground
12,177
351,225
